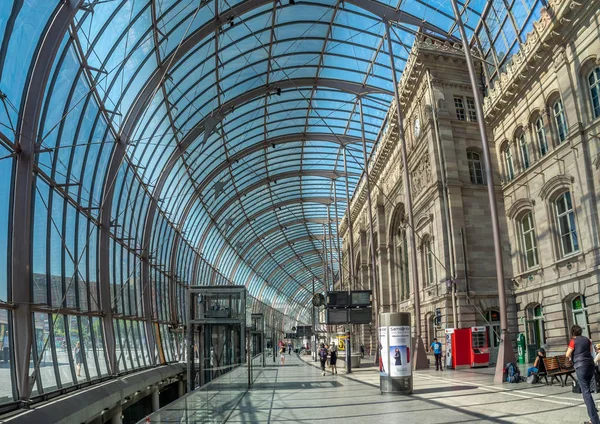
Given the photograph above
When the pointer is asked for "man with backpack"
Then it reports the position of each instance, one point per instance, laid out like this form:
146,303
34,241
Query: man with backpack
323,357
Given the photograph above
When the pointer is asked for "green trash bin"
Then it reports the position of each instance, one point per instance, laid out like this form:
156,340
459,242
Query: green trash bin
521,347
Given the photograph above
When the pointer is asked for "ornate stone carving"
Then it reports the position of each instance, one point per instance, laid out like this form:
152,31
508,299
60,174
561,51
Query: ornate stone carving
421,176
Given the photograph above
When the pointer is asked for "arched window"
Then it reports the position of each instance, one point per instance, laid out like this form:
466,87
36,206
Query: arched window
508,163
540,133
560,120
594,80
524,147
530,250
565,220
475,168
534,325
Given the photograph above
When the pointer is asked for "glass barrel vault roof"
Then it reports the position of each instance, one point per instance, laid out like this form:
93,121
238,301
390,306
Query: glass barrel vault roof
214,131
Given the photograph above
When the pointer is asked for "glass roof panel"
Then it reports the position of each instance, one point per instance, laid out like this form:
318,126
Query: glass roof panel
233,120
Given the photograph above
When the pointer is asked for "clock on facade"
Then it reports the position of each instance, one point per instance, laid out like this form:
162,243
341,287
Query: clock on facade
417,128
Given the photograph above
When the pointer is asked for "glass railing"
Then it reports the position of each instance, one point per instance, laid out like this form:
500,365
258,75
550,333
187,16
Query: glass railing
213,402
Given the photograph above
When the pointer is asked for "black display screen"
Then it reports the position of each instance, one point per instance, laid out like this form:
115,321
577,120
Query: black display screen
361,298
337,316
337,299
361,316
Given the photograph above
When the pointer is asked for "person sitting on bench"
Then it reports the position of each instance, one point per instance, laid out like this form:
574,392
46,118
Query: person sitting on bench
538,365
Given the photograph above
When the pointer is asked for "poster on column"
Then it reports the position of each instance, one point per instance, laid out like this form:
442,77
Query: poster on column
399,351
384,363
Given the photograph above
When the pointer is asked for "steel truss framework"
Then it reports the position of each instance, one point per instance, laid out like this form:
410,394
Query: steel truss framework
147,145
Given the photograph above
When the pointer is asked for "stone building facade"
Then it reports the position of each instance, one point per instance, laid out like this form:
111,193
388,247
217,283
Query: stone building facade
549,285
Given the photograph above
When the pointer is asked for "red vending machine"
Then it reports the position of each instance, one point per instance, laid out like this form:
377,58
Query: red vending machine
461,348
480,351
469,348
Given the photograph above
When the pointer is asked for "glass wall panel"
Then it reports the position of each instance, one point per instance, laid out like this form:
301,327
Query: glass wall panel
44,352
98,338
6,358
64,357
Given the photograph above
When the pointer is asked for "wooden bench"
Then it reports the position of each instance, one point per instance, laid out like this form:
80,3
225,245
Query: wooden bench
557,367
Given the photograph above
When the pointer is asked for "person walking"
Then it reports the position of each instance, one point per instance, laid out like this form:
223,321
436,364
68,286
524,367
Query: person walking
333,360
282,354
78,353
362,351
580,352
436,347
323,357
5,347
290,348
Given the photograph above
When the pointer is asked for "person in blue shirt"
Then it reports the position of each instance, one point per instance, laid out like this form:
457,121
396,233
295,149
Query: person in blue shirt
437,351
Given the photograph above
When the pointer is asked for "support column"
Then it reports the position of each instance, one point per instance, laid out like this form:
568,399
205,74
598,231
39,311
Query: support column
180,388
505,351
419,355
117,418
155,399
376,294
352,282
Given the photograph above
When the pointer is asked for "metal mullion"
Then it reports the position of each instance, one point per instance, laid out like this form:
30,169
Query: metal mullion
53,352
94,346
137,326
118,340
83,350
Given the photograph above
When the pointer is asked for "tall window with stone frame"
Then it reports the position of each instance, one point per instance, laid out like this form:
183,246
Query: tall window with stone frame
401,258
565,221
524,147
508,163
577,314
429,262
560,120
594,80
534,326
459,105
540,133
530,249
475,168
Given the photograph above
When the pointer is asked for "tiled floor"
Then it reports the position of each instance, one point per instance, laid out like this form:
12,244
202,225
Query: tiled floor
298,393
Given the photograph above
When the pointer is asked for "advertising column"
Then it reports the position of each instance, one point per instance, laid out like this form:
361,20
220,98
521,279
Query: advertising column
395,367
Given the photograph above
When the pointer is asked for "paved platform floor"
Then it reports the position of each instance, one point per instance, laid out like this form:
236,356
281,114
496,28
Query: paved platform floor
298,393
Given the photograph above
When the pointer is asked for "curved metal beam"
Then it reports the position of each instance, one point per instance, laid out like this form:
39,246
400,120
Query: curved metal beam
20,264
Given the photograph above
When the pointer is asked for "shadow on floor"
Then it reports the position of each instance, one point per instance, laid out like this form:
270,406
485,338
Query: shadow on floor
296,385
